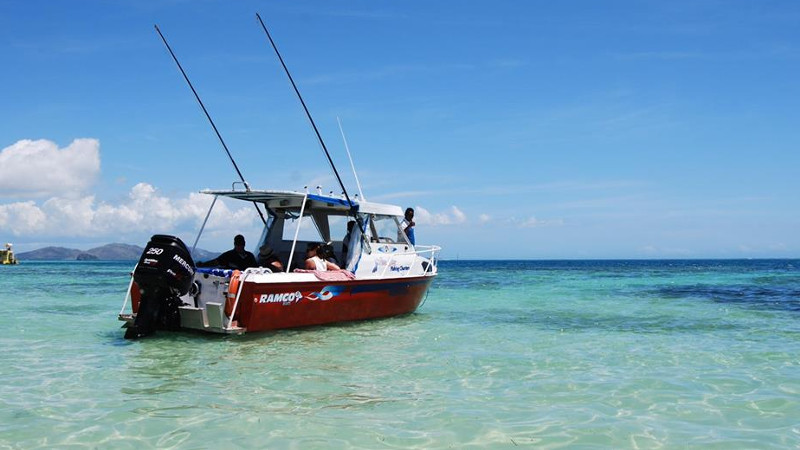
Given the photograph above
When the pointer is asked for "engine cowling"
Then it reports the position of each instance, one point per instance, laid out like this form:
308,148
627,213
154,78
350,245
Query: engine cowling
164,273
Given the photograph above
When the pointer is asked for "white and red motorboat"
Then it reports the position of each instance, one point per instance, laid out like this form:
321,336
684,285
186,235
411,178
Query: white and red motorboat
384,274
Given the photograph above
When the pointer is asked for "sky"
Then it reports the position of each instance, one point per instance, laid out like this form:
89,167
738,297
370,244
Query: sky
516,129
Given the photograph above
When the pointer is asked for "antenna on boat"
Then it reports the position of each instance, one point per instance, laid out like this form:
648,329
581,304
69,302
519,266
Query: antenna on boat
352,166
308,114
208,116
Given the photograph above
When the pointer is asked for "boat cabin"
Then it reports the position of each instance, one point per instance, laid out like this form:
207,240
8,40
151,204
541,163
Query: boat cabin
374,246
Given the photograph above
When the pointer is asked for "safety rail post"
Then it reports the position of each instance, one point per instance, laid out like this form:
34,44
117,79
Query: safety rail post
242,279
208,214
128,293
432,262
296,233
433,249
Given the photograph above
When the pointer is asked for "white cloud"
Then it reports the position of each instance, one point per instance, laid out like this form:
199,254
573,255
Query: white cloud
458,215
22,216
39,168
145,212
452,217
484,218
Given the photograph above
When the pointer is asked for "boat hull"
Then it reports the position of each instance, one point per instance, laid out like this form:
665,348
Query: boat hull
265,306
274,306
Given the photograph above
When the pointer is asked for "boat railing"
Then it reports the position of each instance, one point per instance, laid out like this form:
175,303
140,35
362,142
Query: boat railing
128,292
418,251
203,227
242,278
434,251
297,232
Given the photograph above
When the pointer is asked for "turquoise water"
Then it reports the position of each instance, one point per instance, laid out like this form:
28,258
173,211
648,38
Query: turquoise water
586,354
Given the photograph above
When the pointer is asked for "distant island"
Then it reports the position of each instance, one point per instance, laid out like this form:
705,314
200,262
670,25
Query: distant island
108,252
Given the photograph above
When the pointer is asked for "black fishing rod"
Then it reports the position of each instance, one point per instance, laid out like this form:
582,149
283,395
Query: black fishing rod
310,119
208,116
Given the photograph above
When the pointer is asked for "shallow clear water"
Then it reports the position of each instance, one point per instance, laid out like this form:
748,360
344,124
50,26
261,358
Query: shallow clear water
621,354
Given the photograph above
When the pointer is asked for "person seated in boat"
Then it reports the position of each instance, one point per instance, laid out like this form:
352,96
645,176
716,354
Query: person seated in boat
315,258
267,258
346,240
237,258
325,251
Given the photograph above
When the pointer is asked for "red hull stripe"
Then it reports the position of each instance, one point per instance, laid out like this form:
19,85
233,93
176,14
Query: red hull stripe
276,306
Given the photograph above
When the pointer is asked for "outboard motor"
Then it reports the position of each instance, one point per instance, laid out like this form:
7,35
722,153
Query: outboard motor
165,272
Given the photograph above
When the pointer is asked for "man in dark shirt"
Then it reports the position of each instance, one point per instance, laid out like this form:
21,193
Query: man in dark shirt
237,258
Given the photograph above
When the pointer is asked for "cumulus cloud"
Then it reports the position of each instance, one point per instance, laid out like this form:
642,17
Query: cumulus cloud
145,211
18,217
452,217
39,168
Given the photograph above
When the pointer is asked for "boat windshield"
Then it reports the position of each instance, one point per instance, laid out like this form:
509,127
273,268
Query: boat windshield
386,229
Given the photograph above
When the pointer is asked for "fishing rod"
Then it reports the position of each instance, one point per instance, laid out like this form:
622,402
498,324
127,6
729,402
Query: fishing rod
314,125
350,157
208,116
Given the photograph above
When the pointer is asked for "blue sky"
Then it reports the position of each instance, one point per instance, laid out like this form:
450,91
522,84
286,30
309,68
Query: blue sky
536,129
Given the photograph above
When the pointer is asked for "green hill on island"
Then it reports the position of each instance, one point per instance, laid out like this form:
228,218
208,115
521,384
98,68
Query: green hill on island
108,252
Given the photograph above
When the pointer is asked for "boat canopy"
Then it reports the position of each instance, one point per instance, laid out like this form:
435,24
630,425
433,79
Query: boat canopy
293,199
379,227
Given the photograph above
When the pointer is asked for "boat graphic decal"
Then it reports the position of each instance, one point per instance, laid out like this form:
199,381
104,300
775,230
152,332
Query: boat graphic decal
387,249
326,293
380,262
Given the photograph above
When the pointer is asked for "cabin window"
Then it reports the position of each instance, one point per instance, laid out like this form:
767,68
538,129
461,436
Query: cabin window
384,229
308,229
338,226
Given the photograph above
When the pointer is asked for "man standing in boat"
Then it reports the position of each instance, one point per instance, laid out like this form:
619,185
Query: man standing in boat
407,225
237,258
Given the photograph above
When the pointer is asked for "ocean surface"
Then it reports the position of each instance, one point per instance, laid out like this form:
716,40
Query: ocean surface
502,354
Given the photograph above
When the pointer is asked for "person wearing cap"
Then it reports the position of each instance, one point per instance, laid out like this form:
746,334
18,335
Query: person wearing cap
237,258
267,258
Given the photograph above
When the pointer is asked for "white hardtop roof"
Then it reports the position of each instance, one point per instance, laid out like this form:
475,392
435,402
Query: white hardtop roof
277,199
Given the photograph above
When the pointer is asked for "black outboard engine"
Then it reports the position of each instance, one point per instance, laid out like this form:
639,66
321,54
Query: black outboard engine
164,273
